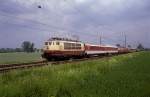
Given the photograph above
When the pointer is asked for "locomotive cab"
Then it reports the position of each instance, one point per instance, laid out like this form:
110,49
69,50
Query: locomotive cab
61,48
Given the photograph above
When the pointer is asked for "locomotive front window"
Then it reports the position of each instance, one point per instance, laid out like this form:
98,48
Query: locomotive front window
53,43
50,43
57,43
46,43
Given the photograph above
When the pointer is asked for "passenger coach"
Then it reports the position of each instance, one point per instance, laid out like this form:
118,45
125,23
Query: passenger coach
100,49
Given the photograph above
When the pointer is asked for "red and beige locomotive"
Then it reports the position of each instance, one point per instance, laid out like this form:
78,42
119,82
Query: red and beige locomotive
66,48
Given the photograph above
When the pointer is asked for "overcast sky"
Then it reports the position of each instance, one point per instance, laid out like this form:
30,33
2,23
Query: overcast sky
22,20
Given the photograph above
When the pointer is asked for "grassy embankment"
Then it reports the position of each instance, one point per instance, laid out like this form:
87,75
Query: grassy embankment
10,58
120,76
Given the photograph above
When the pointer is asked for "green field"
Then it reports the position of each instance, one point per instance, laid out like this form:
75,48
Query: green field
10,58
119,76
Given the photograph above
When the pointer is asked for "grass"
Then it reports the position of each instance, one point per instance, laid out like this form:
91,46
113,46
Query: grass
10,58
119,76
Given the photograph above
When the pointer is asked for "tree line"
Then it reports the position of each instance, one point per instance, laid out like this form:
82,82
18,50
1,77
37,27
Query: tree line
139,47
29,47
26,46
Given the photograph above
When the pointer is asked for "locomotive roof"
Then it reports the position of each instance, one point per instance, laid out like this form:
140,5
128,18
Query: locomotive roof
62,39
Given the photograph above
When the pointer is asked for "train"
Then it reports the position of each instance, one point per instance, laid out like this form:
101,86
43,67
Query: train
59,48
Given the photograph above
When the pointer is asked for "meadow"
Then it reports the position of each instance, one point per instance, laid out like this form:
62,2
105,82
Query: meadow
20,57
120,76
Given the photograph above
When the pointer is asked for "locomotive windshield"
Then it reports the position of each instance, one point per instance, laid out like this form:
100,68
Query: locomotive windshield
46,43
50,43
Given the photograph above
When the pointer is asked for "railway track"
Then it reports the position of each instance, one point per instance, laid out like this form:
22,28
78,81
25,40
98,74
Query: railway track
8,67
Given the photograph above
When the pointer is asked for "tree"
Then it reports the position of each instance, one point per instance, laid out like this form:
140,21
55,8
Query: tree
2,50
32,47
140,47
28,46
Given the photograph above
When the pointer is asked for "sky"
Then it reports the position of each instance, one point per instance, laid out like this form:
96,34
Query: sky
86,20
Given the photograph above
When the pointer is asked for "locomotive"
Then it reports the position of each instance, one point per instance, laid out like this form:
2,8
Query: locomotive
57,48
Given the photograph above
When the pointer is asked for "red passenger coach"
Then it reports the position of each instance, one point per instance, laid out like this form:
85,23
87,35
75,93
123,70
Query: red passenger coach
100,49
